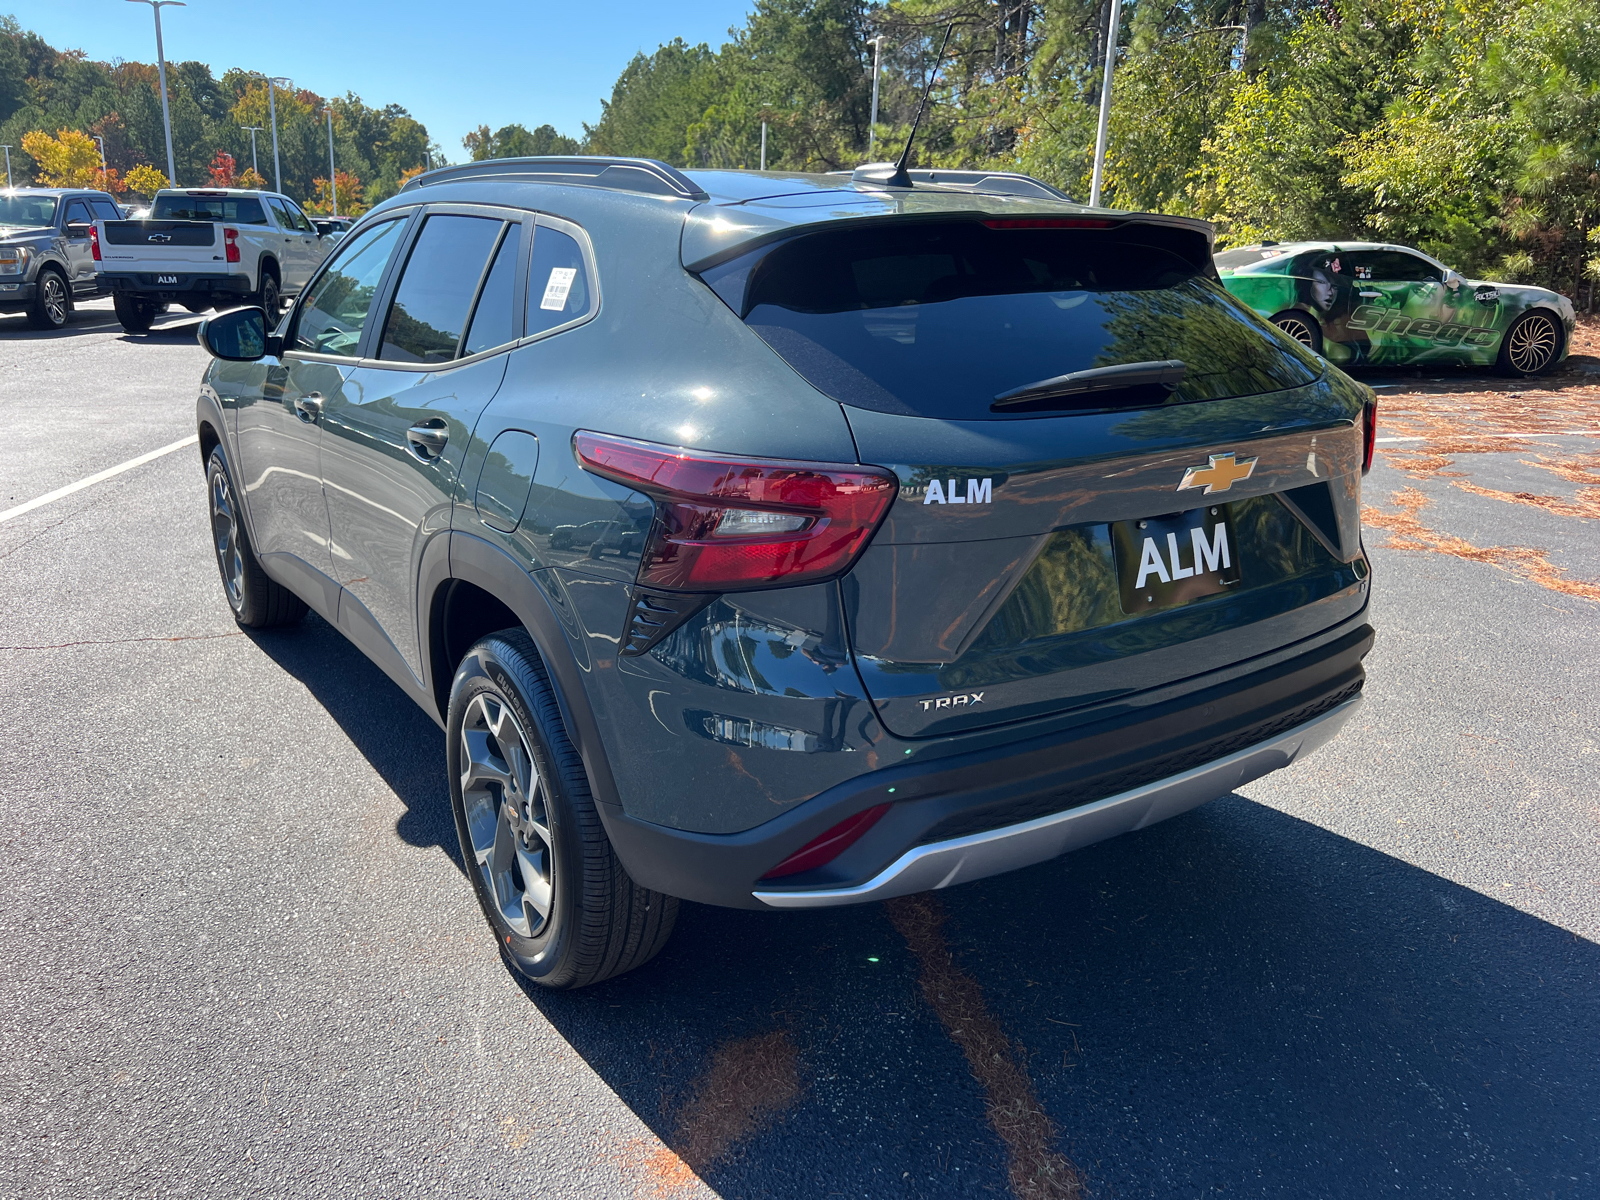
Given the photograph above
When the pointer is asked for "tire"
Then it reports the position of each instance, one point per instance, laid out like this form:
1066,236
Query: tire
270,298
530,834
134,314
257,601
1302,327
52,307
1532,345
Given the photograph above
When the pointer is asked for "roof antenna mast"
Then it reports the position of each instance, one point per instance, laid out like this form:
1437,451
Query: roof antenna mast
900,177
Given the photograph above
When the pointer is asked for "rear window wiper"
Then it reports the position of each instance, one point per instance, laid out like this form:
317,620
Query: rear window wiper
1079,388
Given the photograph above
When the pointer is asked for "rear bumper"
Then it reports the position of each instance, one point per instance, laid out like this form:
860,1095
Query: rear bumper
189,283
979,855
961,816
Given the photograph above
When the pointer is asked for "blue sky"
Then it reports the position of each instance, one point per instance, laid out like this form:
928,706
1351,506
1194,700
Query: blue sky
455,64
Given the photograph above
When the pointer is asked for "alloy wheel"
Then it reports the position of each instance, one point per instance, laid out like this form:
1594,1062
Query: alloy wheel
1533,343
1299,330
54,296
507,818
225,537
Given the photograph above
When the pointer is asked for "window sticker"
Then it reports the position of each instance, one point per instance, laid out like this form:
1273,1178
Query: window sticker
556,290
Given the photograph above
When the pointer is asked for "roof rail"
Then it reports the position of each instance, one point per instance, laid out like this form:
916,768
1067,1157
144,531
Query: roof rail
1009,183
622,174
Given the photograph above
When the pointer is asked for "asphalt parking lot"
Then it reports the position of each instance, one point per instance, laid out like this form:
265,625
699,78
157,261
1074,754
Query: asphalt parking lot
241,959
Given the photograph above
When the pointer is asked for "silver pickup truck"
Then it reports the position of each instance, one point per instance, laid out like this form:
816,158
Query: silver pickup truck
208,248
47,251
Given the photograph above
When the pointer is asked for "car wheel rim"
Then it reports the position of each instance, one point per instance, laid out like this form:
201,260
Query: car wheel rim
1533,343
225,537
1299,331
55,300
507,818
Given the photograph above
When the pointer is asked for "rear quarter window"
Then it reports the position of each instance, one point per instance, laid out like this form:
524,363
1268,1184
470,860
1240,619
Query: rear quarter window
939,319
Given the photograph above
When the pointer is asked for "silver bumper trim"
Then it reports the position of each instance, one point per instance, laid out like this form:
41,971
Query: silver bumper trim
979,855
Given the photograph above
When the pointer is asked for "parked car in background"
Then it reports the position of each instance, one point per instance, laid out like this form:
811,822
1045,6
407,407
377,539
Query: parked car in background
786,541
47,256
1364,302
208,248
333,228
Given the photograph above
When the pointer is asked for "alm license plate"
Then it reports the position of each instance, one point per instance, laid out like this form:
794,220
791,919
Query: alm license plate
1163,562
166,279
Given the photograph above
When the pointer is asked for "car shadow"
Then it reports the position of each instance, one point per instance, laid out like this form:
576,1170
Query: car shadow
98,318
1235,1000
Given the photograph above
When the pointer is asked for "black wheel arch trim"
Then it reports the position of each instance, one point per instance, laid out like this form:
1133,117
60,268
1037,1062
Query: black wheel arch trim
481,563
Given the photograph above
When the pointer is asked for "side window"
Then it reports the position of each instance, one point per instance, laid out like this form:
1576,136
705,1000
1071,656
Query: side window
297,217
77,211
339,304
1392,266
492,319
279,213
104,210
558,282
436,289
248,211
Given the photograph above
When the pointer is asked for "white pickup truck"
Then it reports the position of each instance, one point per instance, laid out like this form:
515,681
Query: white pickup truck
207,248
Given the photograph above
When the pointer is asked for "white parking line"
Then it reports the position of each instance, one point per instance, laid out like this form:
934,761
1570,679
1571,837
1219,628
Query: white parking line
98,477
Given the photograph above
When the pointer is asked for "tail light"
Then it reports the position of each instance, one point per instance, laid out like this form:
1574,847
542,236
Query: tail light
1369,433
94,241
828,846
729,524
230,242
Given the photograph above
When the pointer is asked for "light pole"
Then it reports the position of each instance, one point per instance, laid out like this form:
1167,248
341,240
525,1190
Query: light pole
763,145
877,69
8,166
101,142
161,70
254,129
272,110
333,181
1105,105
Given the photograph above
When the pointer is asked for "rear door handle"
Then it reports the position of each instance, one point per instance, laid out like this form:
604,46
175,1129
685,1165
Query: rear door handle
308,407
1371,295
427,439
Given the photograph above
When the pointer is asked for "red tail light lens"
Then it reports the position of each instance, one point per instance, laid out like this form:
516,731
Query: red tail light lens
230,241
828,846
1369,434
726,524
94,241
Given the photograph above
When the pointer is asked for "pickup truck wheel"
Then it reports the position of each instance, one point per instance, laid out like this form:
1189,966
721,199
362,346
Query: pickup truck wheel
563,910
134,314
269,297
53,306
257,601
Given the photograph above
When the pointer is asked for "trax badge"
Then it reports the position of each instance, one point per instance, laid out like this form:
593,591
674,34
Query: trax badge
952,701
1221,475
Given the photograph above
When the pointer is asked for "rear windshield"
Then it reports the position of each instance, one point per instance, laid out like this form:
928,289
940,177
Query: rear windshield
940,319
243,210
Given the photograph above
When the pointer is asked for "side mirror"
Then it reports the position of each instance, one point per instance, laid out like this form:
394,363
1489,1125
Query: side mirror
1452,280
79,229
238,335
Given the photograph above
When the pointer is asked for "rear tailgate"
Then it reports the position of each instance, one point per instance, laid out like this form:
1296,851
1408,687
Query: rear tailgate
162,248
1040,390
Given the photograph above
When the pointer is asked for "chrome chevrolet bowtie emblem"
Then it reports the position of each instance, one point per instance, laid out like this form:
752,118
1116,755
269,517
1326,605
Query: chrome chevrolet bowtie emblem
1221,475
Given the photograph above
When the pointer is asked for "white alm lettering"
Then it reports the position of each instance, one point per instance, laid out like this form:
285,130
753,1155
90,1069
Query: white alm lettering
1208,554
935,493
951,496
1179,571
1150,563
978,491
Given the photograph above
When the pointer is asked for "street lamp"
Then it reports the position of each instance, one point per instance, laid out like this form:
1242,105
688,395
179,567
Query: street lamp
161,70
8,165
101,142
1105,106
333,181
272,110
254,129
877,69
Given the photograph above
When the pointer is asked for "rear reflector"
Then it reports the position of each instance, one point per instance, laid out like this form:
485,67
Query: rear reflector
1369,434
1050,223
728,524
830,845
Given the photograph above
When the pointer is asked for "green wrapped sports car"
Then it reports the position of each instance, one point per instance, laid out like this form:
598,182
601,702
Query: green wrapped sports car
1361,302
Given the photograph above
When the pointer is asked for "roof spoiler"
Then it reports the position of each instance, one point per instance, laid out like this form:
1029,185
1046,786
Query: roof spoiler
644,175
1004,183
